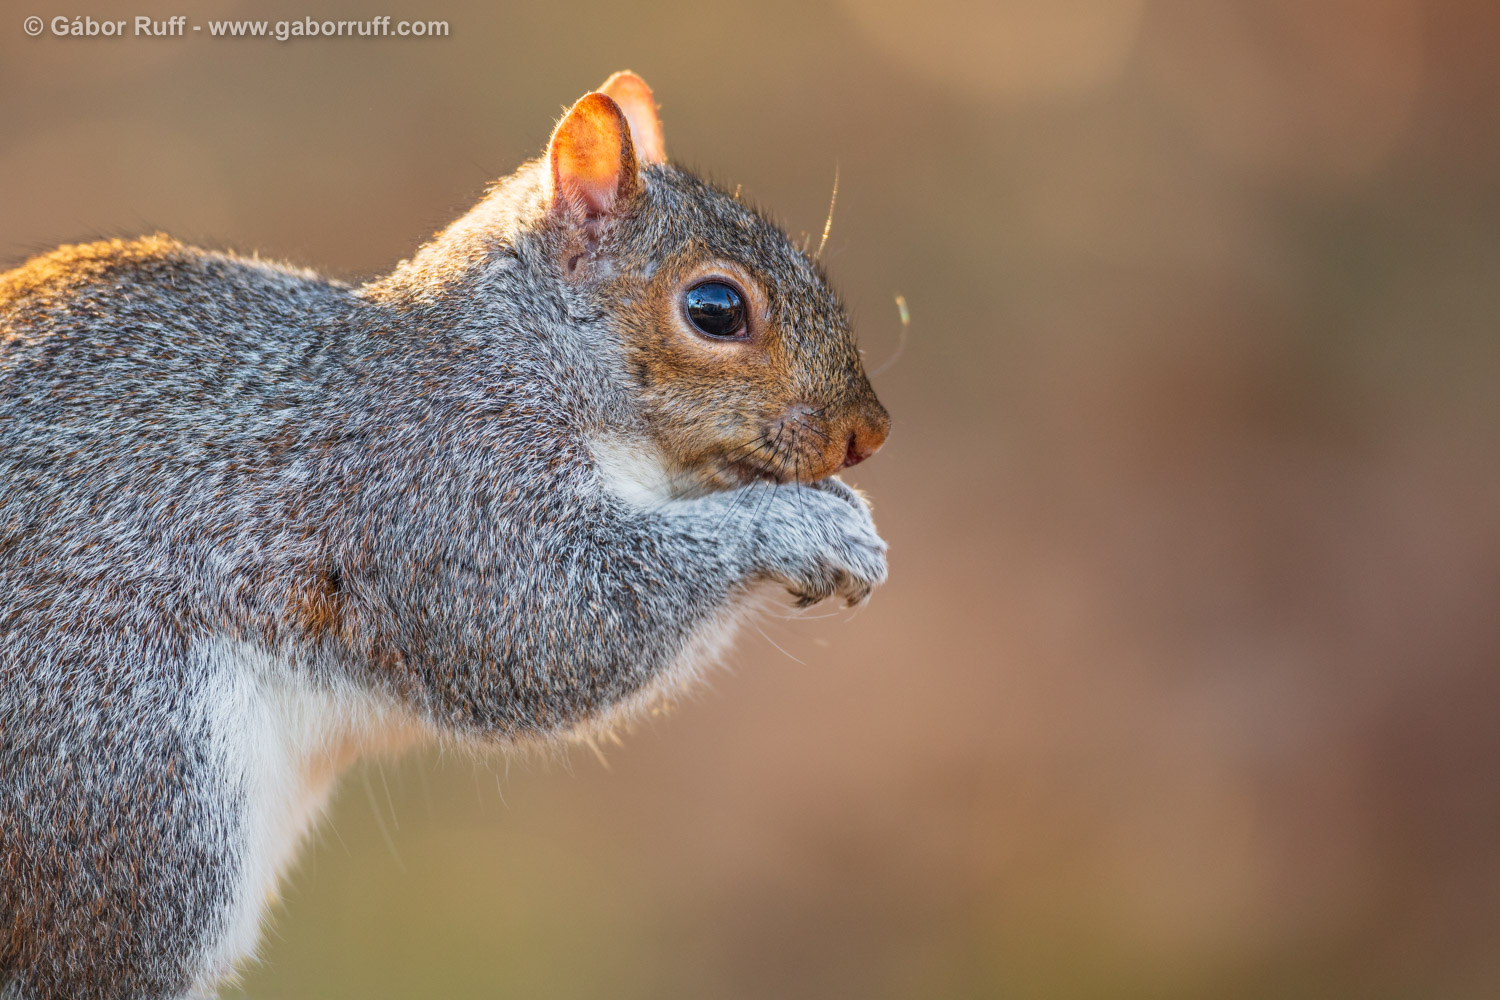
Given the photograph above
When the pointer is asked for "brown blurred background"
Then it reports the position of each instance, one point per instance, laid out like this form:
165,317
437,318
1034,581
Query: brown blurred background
1186,680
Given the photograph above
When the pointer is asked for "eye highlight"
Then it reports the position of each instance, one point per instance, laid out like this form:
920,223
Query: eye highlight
716,309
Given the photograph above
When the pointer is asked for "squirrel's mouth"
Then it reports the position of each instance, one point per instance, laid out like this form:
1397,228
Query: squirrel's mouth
770,459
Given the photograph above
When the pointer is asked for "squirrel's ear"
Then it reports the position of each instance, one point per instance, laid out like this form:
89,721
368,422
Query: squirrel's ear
592,158
634,98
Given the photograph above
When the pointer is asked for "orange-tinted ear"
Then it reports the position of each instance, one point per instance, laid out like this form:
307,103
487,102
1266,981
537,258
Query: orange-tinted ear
634,98
593,160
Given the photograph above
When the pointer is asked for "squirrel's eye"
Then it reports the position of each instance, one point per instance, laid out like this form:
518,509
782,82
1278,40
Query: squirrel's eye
716,309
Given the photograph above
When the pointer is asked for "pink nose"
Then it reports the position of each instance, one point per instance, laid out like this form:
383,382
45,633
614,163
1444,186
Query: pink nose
867,435
854,455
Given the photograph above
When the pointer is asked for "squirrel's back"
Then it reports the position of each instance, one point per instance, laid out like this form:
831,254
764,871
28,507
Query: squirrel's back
146,388
140,325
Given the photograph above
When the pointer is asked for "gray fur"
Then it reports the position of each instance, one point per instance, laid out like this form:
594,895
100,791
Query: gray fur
386,489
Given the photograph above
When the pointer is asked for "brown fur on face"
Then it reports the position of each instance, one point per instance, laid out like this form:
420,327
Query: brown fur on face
728,412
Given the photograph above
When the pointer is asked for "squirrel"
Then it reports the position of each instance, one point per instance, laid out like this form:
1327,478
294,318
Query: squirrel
255,523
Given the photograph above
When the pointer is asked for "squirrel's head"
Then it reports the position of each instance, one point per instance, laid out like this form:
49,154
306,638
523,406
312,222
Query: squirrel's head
741,358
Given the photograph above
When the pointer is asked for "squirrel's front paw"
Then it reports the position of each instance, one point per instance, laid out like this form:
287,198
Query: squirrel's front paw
820,541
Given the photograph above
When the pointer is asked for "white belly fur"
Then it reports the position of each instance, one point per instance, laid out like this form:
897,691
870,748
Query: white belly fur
284,743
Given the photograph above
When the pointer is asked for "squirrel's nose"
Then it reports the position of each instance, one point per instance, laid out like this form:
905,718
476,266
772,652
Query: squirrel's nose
867,434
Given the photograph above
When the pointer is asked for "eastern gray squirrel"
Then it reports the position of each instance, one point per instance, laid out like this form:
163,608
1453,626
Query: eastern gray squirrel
255,523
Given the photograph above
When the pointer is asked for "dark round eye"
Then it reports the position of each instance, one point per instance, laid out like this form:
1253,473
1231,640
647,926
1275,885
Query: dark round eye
716,309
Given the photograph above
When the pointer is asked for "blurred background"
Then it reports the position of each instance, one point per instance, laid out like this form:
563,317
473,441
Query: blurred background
1186,680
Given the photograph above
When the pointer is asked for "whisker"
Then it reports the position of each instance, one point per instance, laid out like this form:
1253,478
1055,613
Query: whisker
745,451
762,445
760,506
803,615
820,432
900,344
735,505
775,451
778,645
828,226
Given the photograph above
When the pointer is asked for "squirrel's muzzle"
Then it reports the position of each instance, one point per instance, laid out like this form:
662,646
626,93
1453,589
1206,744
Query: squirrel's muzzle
824,440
